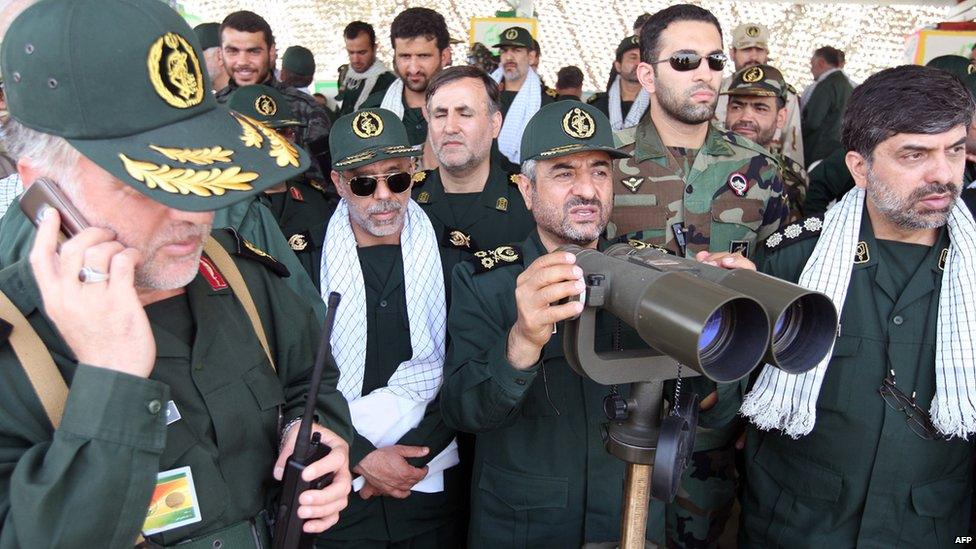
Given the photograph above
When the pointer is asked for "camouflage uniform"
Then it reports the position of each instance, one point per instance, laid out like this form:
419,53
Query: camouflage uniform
728,197
795,182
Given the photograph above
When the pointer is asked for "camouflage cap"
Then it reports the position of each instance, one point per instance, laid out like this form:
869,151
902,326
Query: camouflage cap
367,136
137,102
758,80
515,36
567,127
299,60
956,64
208,34
263,103
627,44
750,35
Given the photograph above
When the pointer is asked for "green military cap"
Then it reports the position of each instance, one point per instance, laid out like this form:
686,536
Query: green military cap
299,60
367,136
627,44
758,80
263,103
567,127
208,34
136,102
970,82
515,36
956,64
750,35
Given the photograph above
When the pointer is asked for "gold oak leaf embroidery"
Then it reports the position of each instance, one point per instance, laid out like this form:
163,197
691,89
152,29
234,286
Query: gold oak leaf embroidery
214,181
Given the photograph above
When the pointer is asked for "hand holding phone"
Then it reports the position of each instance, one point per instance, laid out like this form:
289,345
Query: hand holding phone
44,192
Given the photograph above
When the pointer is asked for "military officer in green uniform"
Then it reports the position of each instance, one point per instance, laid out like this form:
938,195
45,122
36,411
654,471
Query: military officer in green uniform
380,250
873,450
473,203
421,48
299,204
542,477
156,384
364,74
690,187
756,110
824,104
625,101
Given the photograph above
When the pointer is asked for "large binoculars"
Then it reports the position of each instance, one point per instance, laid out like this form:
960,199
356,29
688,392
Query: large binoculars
721,323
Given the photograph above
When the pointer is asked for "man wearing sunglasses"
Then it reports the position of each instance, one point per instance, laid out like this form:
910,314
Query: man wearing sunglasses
870,448
380,252
542,477
472,200
690,187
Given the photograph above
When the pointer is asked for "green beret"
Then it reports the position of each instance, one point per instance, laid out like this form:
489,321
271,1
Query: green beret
208,34
367,136
299,60
567,127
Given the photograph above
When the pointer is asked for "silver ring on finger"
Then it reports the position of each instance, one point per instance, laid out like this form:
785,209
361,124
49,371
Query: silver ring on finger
87,275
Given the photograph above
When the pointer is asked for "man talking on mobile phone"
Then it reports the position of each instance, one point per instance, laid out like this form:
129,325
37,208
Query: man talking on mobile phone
161,359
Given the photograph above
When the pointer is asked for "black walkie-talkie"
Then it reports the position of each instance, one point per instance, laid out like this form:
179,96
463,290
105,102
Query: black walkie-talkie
288,533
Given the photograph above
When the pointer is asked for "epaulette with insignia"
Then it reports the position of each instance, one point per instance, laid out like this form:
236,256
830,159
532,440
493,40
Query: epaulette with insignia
487,260
641,245
551,93
316,185
419,177
513,179
795,232
244,248
592,99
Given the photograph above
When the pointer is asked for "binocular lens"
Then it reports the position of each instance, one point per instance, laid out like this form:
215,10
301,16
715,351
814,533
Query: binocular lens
714,333
787,327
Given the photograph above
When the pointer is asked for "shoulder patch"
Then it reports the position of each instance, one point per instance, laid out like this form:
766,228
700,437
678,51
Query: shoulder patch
487,260
795,232
244,248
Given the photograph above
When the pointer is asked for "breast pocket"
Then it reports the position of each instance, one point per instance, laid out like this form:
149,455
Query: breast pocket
941,506
735,218
835,392
516,506
246,411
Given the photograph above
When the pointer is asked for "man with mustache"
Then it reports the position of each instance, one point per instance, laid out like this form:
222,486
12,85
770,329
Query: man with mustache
421,48
626,101
750,47
873,448
690,187
542,477
473,202
248,51
757,109
148,363
380,252
365,74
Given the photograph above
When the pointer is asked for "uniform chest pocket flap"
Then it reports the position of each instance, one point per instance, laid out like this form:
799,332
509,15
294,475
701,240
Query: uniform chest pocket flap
265,386
522,491
738,210
941,497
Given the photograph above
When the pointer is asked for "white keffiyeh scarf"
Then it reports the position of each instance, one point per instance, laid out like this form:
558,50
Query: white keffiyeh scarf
637,109
527,102
393,98
789,401
366,79
386,414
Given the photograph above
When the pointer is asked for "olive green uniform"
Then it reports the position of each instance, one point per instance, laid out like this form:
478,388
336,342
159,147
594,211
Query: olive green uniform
350,96
823,115
508,97
302,208
601,101
469,222
795,184
829,181
862,477
413,118
91,480
422,519
542,477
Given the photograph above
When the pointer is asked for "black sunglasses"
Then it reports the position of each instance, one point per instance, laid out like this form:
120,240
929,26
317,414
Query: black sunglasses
918,419
365,185
690,61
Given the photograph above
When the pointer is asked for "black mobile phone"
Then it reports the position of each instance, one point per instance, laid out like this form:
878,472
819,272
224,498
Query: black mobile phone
44,192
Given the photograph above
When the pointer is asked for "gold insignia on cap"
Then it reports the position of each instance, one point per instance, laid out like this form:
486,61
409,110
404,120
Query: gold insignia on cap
174,71
365,155
419,177
511,34
561,149
634,40
862,254
423,197
265,105
752,32
298,242
282,150
214,181
970,69
501,204
579,124
459,239
753,74
201,157
367,124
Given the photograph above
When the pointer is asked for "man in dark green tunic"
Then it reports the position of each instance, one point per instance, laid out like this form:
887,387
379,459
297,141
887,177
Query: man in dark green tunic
421,48
854,457
157,386
542,477
365,74
823,108
473,203
379,248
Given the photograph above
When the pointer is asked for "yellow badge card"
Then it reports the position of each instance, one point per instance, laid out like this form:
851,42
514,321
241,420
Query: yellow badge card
174,502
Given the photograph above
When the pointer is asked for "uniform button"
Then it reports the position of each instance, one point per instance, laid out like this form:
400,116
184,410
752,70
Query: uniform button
383,303
898,320
689,189
198,366
154,406
520,381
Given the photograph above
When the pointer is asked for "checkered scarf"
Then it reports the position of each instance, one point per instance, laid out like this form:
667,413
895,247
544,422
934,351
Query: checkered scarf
637,108
788,401
527,102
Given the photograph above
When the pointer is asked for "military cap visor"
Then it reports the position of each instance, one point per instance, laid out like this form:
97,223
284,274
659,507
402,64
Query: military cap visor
567,127
367,136
138,103
514,36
